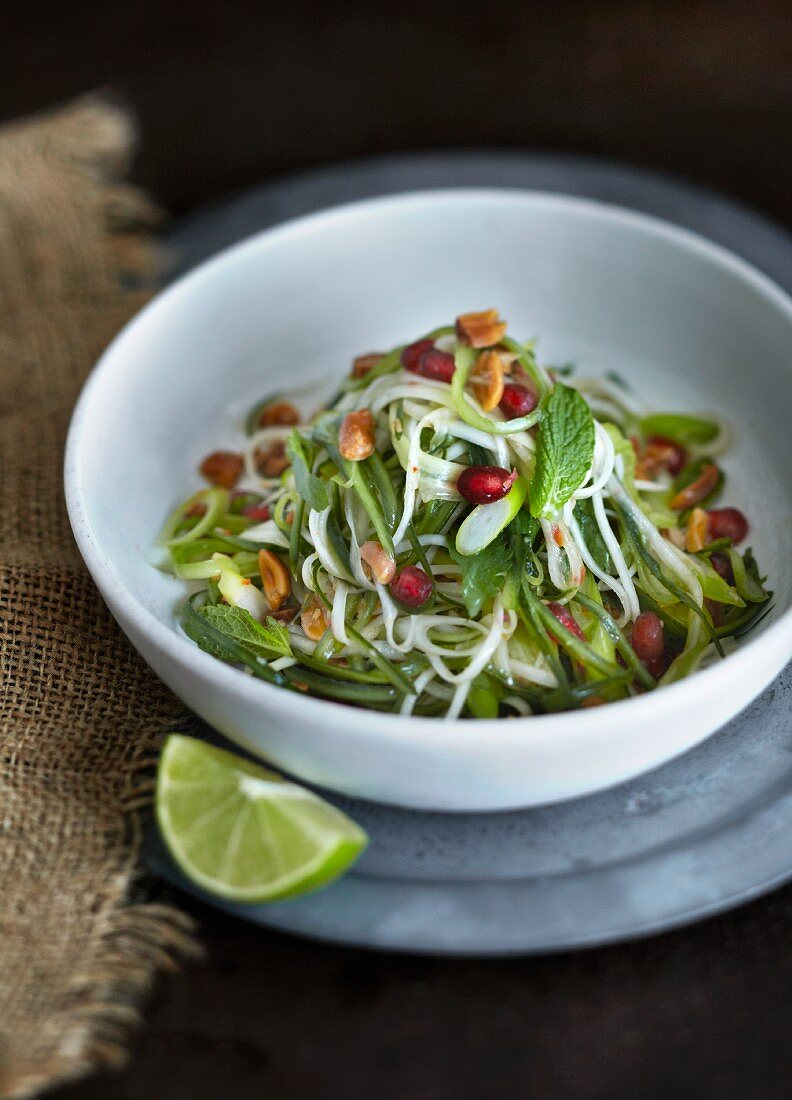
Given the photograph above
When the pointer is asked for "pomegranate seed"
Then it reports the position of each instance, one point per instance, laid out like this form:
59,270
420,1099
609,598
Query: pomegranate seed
669,454
484,484
722,566
564,616
517,400
258,512
656,666
727,523
437,365
648,639
411,586
411,354
715,610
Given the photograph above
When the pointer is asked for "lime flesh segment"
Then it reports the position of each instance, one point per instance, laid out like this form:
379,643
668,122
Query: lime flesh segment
245,833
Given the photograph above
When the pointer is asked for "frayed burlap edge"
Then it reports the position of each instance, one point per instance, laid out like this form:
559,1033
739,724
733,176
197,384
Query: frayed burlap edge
81,717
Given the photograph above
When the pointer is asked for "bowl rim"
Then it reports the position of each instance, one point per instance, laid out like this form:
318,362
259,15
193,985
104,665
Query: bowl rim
429,731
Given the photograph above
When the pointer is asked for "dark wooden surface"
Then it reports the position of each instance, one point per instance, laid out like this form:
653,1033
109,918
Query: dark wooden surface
230,94
703,1013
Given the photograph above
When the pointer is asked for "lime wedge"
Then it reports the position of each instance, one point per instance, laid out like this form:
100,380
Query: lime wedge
244,833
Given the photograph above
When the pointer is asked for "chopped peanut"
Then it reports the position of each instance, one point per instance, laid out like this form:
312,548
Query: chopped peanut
487,380
675,535
279,412
696,531
356,435
274,577
381,564
223,468
314,619
657,455
481,330
285,615
364,363
699,489
271,461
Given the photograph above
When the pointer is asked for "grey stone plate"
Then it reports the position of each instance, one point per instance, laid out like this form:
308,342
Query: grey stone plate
709,830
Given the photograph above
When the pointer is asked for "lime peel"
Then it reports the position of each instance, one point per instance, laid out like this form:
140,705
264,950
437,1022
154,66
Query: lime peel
244,833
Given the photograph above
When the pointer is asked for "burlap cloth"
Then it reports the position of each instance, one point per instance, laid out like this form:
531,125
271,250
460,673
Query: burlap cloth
80,715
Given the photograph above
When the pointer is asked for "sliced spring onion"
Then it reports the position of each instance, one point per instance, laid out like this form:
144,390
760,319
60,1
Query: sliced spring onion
464,360
214,501
486,521
486,643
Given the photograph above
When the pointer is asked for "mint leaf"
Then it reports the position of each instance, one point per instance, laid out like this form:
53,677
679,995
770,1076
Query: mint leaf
564,450
680,429
312,490
266,640
483,574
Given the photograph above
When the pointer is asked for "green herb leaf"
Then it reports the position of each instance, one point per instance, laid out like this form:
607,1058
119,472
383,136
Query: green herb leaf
686,430
713,586
522,532
268,640
222,645
310,488
564,450
483,574
747,581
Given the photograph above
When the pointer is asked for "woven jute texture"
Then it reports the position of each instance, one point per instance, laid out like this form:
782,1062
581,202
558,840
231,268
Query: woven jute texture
80,715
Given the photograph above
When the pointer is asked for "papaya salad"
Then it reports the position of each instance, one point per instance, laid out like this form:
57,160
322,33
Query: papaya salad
461,532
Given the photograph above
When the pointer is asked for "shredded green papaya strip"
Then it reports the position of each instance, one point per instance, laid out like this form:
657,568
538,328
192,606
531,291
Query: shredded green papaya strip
466,561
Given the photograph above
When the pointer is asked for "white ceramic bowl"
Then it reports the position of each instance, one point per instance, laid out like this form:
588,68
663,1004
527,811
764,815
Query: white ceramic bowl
691,326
